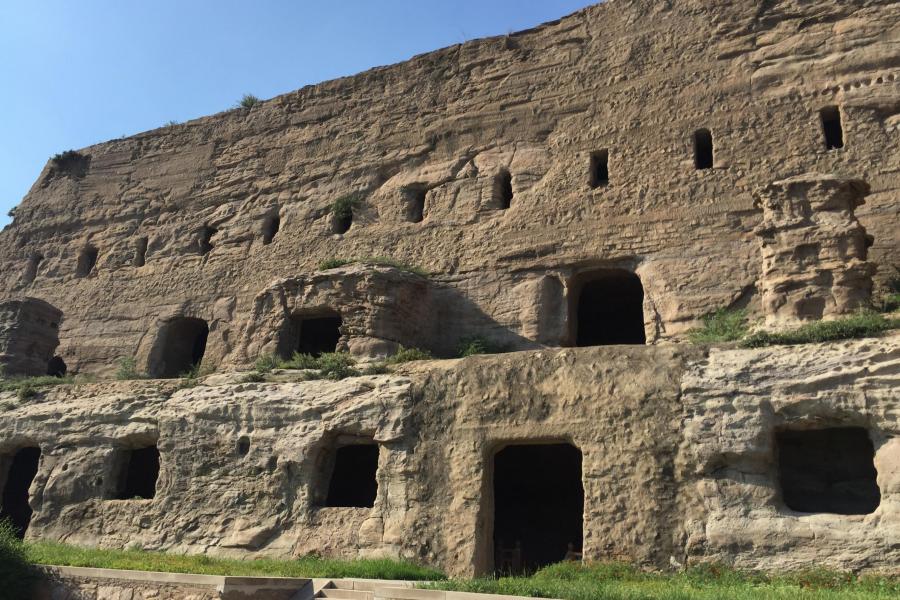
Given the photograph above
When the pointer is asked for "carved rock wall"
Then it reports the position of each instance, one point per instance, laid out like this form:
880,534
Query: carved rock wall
29,330
679,460
814,249
179,215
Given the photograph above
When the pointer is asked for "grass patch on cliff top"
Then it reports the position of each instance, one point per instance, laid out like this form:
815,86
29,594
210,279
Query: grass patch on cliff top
27,388
51,553
861,325
573,581
732,326
724,325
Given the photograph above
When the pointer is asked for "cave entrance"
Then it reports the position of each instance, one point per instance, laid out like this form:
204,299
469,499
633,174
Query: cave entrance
538,506
609,309
22,469
313,334
179,348
828,471
138,472
354,480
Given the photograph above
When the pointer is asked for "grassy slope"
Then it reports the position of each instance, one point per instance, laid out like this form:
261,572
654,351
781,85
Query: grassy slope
569,580
618,582
49,553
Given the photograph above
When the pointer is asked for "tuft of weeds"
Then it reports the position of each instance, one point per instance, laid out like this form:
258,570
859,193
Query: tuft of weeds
265,363
333,263
376,369
64,159
861,325
331,365
127,369
27,388
404,355
248,101
476,344
342,208
724,325
337,366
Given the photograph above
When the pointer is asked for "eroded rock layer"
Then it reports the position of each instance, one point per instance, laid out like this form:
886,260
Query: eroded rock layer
629,136
685,456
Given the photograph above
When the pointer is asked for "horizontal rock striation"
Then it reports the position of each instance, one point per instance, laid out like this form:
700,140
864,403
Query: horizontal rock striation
680,456
492,164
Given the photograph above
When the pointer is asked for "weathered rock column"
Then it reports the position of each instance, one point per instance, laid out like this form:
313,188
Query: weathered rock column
814,249
29,333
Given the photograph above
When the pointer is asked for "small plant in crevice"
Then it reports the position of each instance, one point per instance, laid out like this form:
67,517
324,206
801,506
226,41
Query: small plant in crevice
476,344
248,101
127,369
342,211
333,263
404,355
191,377
265,363
723,325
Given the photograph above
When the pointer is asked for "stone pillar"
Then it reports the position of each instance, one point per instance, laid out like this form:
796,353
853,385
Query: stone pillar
29,334
814,249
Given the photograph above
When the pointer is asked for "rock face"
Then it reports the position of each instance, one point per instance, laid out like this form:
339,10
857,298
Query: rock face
684,457
29,330
814,250
510,168
582,192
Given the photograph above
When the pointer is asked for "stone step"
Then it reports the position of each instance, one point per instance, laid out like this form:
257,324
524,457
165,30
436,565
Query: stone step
344,594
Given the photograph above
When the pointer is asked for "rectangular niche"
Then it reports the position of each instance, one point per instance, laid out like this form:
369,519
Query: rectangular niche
828,471
136,473
350,472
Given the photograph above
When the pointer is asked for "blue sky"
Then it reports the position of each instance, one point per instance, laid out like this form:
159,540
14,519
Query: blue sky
77,73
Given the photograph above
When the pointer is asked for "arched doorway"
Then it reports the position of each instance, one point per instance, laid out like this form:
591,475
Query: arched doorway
179,347
15,499
607,308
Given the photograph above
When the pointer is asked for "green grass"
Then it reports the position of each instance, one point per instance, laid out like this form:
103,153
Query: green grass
724,325
381,261
17,575
50,553
126,369
861,325
331,365
572,581
334,263
342,208
473,345
405,355
27,388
